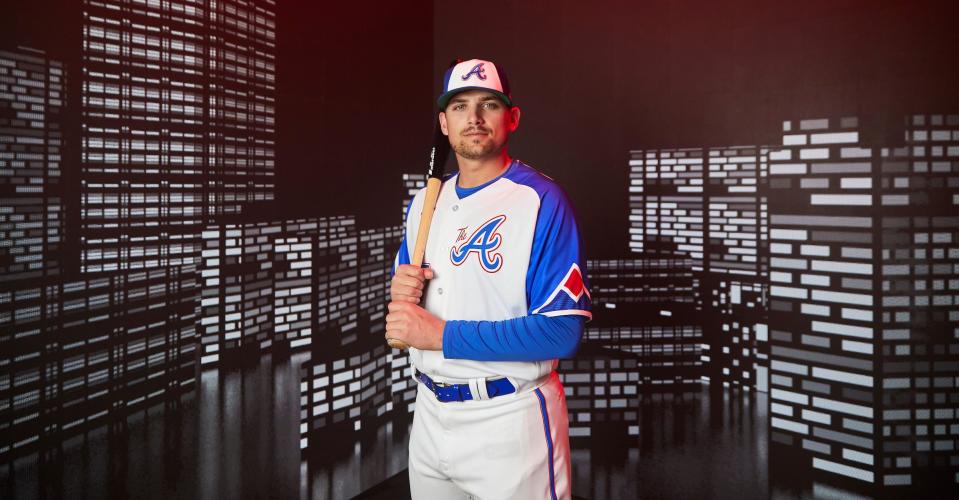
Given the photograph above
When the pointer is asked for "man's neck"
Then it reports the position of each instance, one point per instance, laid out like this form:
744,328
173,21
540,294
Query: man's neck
474,173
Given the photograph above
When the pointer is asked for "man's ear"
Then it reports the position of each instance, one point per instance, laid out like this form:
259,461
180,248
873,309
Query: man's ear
514,114
443,127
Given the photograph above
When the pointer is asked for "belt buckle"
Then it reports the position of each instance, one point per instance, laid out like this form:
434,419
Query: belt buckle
442,392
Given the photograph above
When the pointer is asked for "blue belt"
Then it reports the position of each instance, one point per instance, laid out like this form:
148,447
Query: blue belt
446,393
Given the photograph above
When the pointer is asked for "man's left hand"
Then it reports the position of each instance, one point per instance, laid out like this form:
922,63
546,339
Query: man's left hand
414,325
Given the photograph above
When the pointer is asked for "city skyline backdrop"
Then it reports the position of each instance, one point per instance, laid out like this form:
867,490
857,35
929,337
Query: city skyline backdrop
144,241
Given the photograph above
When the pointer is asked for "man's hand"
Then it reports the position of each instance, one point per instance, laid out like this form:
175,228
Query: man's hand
408,283
414,325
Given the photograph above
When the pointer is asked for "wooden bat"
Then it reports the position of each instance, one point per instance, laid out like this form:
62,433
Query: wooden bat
438,155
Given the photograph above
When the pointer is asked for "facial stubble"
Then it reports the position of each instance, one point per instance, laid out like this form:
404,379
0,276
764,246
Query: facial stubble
465,148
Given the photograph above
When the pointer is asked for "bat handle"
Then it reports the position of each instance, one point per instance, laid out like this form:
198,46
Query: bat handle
426,219
419,250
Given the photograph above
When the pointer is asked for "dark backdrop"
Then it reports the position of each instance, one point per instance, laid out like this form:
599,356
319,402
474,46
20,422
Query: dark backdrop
353,112
356,85
595,79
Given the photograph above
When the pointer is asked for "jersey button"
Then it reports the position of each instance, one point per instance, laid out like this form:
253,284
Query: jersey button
439,291
456,207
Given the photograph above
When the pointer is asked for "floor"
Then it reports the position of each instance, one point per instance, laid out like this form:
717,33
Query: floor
237,436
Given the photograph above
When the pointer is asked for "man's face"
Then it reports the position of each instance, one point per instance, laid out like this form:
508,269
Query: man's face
478,124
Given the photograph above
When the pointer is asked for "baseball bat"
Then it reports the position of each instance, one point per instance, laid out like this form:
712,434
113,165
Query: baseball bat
438,155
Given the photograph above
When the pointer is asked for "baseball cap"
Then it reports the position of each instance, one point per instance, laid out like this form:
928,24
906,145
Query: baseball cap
475,74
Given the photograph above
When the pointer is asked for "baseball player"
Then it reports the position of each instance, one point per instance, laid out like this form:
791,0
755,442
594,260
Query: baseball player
502,295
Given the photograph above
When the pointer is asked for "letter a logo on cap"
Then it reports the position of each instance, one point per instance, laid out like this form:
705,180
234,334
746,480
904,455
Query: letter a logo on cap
477,70
474,74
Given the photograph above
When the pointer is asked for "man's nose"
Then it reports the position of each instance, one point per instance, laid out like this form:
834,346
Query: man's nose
475,115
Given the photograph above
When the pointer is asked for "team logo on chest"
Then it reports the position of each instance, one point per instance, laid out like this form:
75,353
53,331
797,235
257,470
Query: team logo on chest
482,242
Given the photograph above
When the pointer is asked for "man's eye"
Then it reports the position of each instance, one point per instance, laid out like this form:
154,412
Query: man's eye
490,105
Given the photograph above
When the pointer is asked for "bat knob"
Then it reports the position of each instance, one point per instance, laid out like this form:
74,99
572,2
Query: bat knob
397,344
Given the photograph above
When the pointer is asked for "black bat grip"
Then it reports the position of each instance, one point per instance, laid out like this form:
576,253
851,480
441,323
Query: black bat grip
438,153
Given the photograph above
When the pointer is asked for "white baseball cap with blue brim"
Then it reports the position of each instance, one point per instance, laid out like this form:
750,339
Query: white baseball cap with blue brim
475,74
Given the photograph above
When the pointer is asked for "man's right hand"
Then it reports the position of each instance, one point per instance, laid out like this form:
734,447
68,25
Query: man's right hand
408,283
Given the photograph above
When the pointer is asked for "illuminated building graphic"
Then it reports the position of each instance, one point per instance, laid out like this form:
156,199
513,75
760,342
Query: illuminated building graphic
293,278
402,384
259,285
863,321
412,183
76,352
601,393
364,382
734,283
839,300
88,351
353,385
919,193
268,283
178,105
342,394
378,248
316,282
329,391
736,324
642,339
176,141
667,210
708,206
31,225
736,213
337,296
175,109
823,270
237,305
31,139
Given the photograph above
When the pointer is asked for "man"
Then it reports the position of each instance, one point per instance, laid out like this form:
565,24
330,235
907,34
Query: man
506,298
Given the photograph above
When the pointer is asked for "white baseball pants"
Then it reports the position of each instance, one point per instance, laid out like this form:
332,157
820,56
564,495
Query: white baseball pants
510,447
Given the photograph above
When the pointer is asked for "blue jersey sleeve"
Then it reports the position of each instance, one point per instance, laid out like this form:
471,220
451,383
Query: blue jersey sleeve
403,254
556,282
527,338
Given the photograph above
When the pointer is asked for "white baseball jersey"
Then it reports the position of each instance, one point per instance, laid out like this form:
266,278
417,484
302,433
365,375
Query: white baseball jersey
507,250
510,249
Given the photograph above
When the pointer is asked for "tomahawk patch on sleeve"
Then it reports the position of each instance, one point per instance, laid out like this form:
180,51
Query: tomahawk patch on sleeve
569,297
556,281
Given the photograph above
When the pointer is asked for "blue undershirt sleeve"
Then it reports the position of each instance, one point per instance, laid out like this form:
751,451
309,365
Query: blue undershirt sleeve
403,254
528,338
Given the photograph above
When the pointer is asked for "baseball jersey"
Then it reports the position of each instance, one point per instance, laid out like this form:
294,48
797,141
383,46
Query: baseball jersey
508,250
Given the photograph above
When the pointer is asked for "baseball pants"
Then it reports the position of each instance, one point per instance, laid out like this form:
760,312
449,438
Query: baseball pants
510,447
